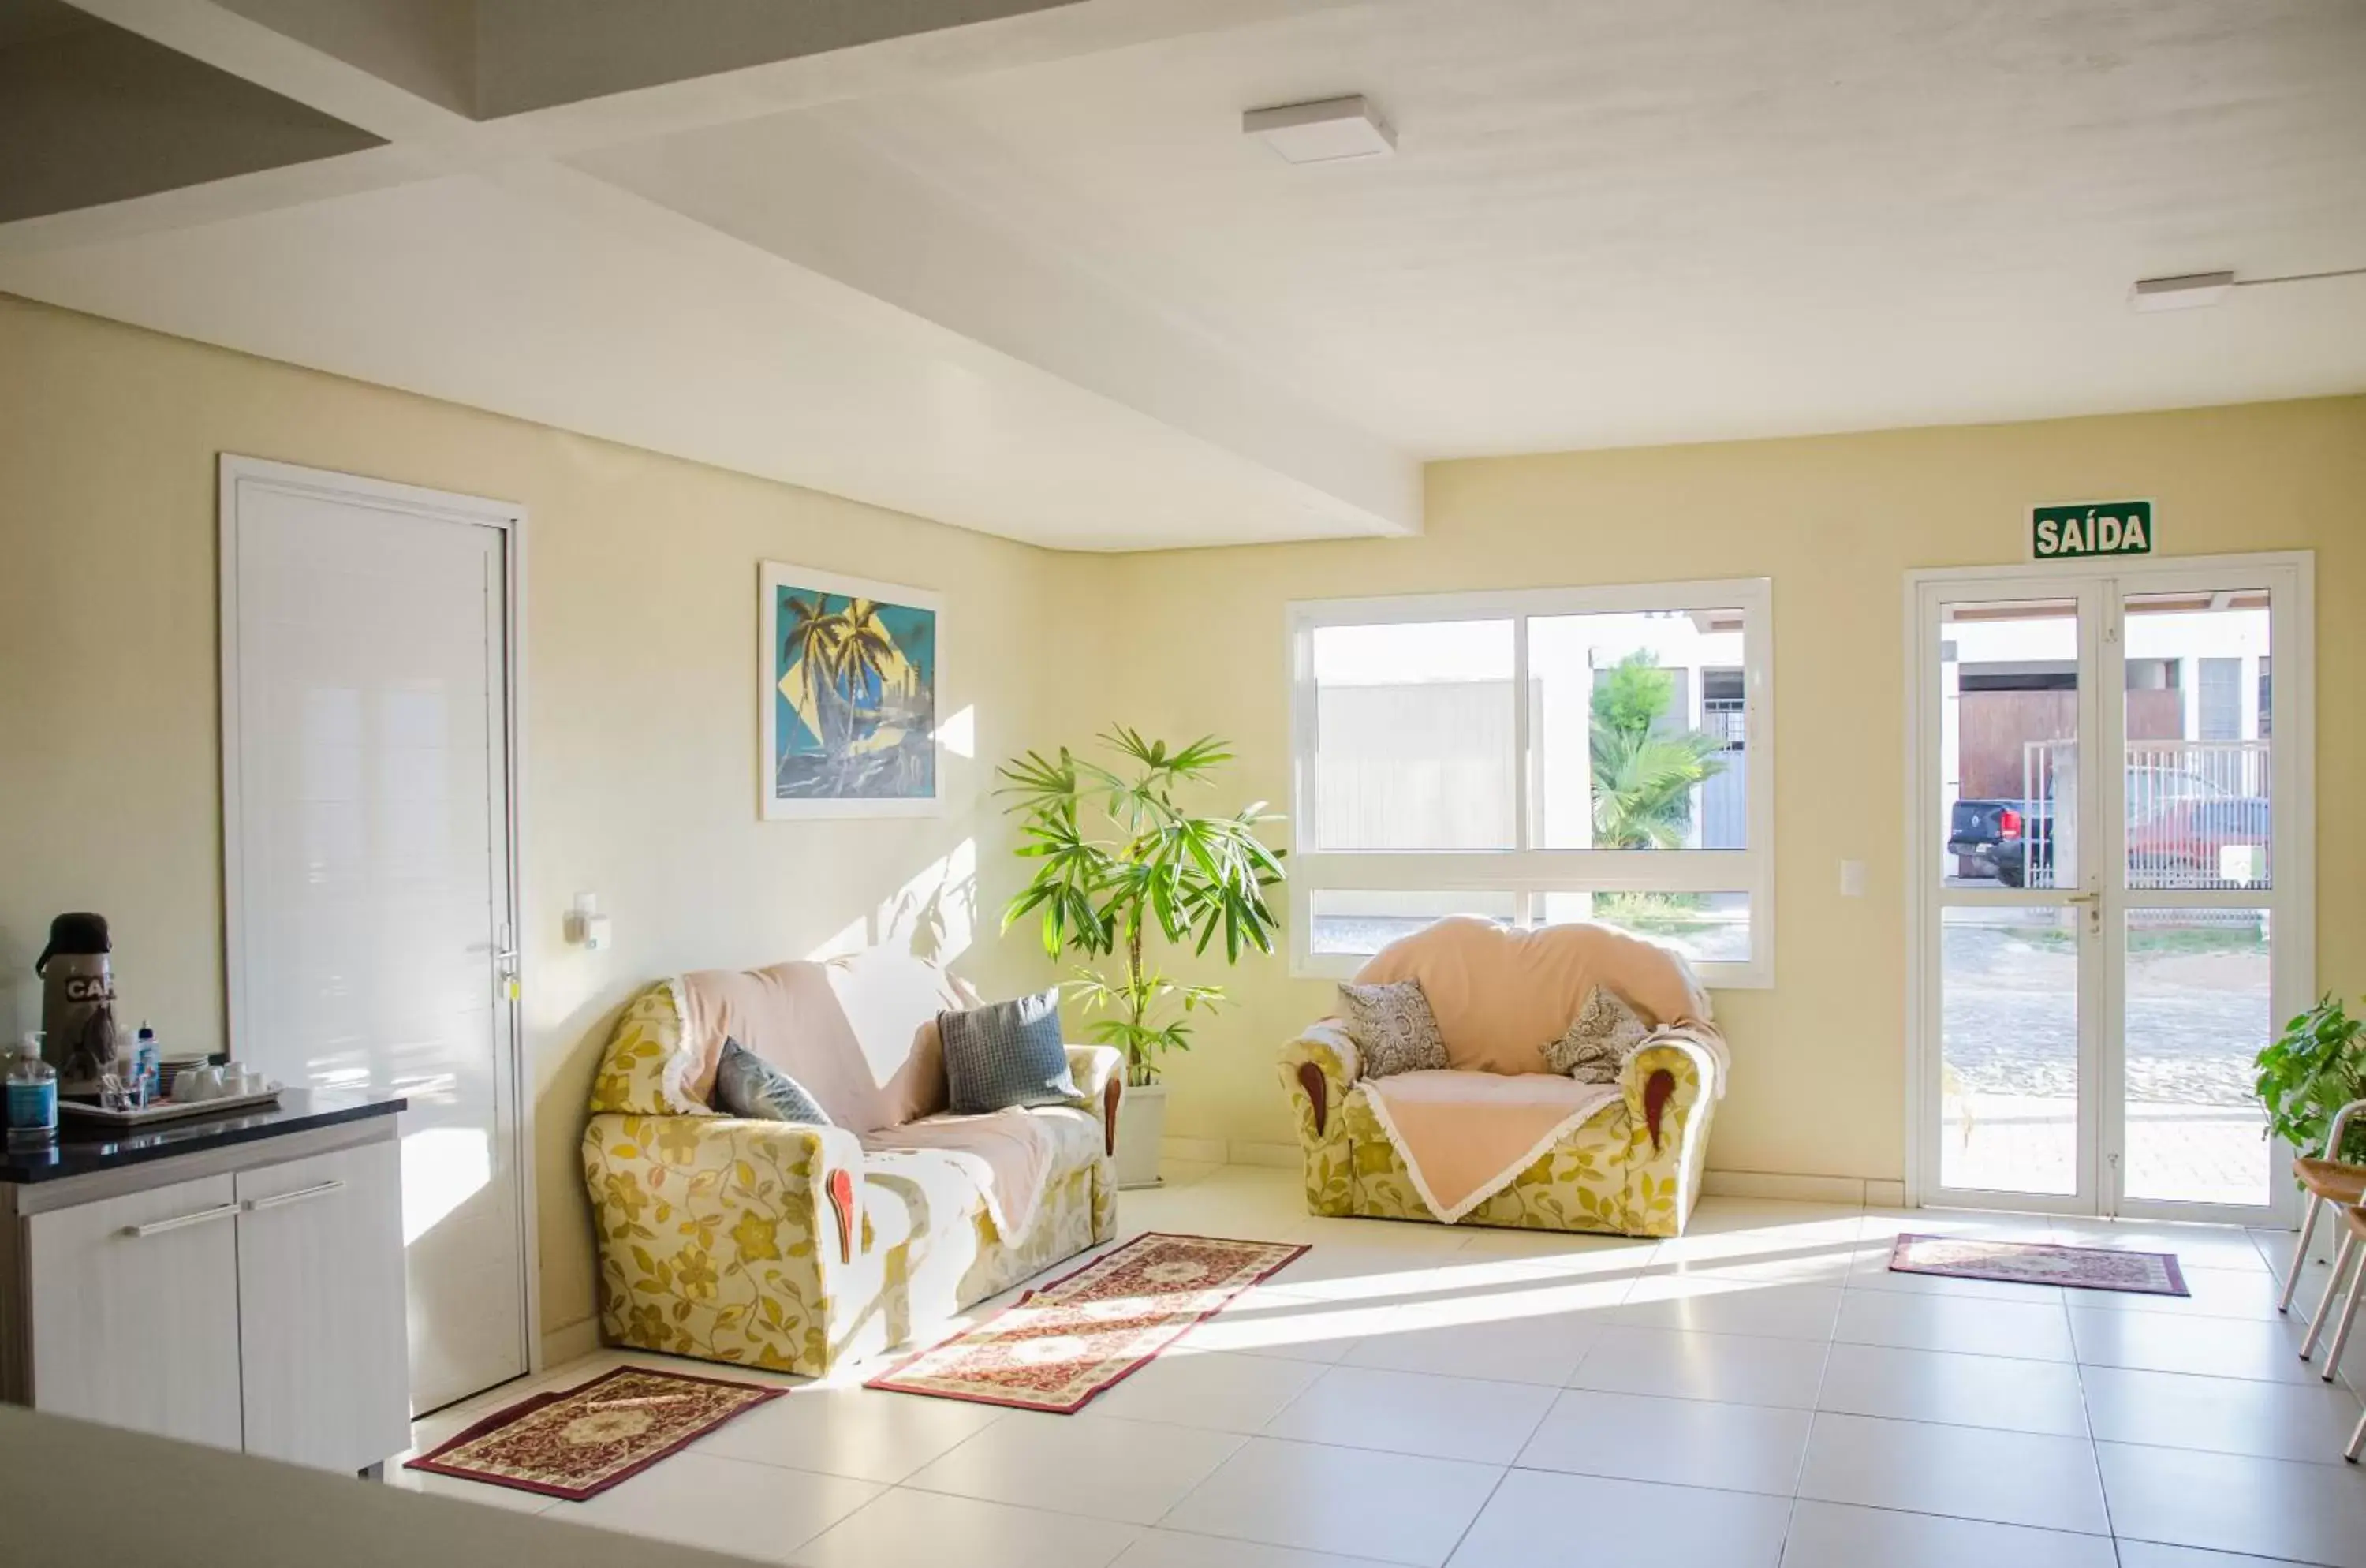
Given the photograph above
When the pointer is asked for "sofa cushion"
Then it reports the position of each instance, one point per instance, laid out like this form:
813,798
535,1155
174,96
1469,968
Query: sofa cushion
854,1030
1595,1048
1005,1054
1393,1029
746,1085
891,1000
1502,996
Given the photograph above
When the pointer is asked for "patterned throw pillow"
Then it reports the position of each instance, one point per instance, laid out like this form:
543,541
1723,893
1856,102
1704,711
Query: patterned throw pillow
1392,1027
1006,1054
746,1085
1596,1047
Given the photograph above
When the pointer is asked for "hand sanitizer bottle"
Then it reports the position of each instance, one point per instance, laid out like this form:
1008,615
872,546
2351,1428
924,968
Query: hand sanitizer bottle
147,1062
32,1098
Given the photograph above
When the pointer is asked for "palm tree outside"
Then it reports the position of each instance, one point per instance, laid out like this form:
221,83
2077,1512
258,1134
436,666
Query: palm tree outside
1644,771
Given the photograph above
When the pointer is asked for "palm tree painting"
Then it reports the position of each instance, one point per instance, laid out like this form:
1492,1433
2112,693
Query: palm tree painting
850,720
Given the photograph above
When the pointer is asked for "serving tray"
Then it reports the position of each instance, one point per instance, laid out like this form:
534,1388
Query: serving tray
169,1109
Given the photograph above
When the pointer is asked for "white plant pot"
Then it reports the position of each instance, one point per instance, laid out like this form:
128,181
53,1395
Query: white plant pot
1141,1129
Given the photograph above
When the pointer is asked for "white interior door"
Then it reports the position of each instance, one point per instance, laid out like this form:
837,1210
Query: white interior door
368,820
2113,910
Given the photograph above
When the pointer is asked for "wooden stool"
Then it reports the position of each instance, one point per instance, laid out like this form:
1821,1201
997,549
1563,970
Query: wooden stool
2350,1247
2356,1238
2326,1181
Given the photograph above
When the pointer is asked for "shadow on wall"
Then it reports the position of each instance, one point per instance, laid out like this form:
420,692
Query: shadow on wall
934,914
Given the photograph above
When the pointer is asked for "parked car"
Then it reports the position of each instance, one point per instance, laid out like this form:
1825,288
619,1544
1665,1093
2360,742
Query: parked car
2179,826
2003,838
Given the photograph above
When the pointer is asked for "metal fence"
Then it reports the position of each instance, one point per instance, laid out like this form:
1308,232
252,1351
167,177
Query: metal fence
2199,812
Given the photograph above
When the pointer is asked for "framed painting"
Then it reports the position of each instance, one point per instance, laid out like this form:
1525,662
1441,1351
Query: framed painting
848,688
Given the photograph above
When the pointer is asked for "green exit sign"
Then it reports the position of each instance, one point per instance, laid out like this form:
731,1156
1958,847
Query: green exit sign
2091,528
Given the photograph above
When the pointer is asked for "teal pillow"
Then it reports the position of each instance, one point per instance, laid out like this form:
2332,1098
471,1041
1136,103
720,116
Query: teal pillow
1006,1054
746,1085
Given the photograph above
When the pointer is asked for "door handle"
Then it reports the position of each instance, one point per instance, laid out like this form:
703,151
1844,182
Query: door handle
178,1221
2084,898
279,1200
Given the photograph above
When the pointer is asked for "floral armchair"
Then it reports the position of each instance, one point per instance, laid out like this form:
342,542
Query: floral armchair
1632,1167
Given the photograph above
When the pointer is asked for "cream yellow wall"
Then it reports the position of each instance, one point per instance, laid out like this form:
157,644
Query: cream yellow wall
640,719
640,706
1192,641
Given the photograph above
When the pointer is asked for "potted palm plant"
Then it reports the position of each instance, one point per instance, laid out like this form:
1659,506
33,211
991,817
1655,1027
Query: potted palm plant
1117,861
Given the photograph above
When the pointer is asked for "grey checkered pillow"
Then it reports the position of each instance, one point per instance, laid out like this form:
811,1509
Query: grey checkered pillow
1392,1027
1607,1032
1006,1054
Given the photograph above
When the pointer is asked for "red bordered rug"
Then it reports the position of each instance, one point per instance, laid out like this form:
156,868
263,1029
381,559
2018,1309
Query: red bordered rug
578,1443
1075,1338
2039,1263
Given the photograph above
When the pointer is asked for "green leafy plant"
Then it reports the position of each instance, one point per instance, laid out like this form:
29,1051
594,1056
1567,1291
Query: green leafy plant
1643,774
1149,866
2312,1069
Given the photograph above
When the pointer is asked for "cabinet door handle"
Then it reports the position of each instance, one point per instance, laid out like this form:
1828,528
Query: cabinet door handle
278,1199
196,1217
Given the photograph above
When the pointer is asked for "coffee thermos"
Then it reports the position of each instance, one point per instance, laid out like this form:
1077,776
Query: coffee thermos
77,1000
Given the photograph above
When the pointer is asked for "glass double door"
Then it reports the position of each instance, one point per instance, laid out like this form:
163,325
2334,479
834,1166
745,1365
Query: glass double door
2112,914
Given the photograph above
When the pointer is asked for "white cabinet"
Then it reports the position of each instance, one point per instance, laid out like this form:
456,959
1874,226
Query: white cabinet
320,1308
258,1305
134,1310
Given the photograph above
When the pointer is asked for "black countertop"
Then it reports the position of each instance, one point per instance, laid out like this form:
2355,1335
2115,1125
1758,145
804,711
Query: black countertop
85,1146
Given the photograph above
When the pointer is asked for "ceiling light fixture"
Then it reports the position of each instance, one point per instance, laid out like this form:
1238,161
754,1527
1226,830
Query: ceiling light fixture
2190,292
2195,290
1325,131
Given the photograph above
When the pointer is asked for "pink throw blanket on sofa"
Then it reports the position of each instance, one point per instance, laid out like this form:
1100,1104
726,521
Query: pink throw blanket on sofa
802,1017
1465,1135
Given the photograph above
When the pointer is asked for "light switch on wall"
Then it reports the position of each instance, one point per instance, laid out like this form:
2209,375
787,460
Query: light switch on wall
586,926
1852,879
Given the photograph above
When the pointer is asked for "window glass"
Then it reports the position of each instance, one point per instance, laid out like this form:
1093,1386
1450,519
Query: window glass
1360,922
1641,723
1414,728
1707,928
1543,747
2199,791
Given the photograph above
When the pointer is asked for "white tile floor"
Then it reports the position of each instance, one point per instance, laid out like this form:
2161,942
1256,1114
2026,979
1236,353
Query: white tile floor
1762,1392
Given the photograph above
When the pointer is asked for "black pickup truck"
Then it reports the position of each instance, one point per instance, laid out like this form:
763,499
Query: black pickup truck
2003,838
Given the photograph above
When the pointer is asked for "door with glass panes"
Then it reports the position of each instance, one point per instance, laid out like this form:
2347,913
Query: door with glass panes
2111,910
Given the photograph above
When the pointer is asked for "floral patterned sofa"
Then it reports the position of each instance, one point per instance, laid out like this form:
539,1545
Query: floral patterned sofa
795,1246
1632,1167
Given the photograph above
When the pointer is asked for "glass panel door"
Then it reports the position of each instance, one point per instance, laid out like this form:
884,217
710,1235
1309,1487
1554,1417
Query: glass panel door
2012,944
2200,914
2113,908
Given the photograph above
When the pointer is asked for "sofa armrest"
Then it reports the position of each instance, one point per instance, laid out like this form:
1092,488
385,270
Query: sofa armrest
802,1181
1099,1072
1663,1079
1321,1066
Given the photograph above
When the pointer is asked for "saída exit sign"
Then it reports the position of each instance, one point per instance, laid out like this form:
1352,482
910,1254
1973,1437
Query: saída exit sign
2097,529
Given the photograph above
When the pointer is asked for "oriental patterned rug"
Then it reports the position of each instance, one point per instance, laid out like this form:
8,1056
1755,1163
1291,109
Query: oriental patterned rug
2040,1263
578,1443
1072,1340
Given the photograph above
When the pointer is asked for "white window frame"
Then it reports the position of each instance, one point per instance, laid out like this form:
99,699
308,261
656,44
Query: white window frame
1526,872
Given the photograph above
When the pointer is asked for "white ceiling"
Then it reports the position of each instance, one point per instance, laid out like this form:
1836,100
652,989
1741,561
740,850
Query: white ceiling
1614,224
1027,275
